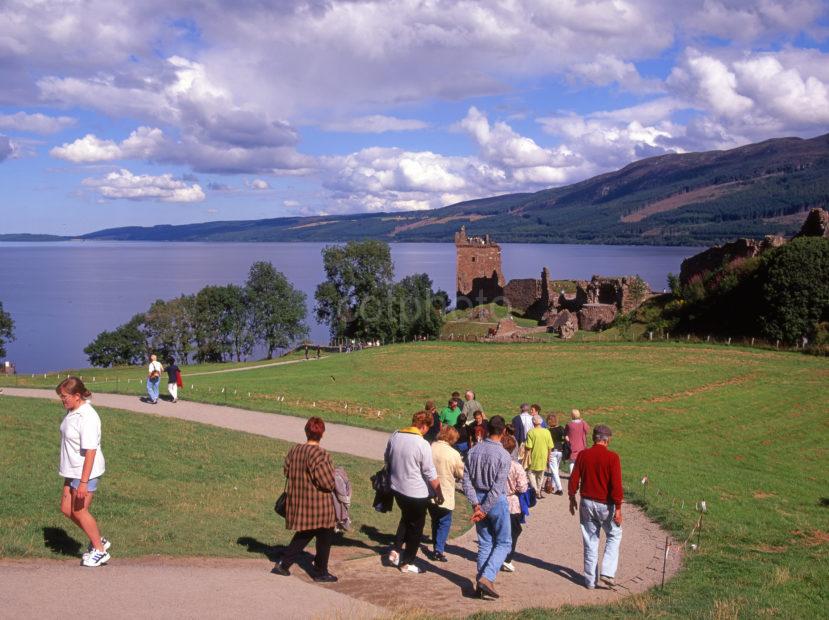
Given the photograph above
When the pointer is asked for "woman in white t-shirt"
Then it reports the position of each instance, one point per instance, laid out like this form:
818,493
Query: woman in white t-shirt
81,464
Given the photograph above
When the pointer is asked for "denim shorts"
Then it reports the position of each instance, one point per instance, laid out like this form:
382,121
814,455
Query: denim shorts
91,486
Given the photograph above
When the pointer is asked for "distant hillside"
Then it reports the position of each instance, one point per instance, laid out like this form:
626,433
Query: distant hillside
31,237
687,199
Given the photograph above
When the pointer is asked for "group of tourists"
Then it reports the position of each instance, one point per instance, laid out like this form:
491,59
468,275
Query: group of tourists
503,469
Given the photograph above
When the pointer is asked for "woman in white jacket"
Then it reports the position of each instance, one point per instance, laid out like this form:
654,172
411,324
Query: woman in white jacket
81,465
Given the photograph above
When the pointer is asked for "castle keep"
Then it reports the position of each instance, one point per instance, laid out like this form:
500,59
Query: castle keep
592,305
478,268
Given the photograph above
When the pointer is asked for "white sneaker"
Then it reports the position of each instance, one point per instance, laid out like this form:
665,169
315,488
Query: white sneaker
394,558
508,566
96,558
90,548
410,568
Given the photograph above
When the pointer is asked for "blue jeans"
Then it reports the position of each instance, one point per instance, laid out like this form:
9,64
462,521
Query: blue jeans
594,517
494,538
152,389
441,524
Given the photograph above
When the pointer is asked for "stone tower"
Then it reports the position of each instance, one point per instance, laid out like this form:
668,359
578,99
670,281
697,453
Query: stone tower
479,276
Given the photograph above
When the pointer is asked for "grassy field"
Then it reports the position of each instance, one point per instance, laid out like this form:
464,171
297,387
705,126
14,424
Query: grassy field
745,430
171,488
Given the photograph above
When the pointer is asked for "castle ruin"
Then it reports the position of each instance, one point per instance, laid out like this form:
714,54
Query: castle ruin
593,305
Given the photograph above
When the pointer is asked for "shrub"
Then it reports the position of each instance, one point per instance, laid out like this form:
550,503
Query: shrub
794,289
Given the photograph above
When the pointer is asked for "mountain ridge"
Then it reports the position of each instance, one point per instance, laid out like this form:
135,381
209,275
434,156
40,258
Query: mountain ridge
700,198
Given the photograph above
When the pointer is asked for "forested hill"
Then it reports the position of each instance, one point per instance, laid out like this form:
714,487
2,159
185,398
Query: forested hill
678,199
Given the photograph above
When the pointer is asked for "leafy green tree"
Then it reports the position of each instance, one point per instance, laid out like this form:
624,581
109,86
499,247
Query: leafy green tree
356,295
794,281
125,345
417,308
222,323
277,309
168,326
442,301
6,330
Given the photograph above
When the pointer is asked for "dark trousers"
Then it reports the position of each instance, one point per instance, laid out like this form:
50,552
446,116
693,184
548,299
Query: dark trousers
324,536
410,529
515,524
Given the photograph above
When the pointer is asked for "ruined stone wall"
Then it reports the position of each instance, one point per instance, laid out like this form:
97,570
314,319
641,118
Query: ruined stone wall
478,269
522,294
619,291
531,297
594,317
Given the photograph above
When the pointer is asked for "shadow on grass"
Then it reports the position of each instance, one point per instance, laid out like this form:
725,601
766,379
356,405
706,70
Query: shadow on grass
58,541
272,552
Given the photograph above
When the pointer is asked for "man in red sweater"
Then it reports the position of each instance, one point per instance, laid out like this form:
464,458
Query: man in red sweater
599,474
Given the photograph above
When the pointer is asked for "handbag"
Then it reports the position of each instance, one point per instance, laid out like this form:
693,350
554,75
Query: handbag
281,504
179,382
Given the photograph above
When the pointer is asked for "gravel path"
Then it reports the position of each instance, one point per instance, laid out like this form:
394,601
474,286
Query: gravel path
548,559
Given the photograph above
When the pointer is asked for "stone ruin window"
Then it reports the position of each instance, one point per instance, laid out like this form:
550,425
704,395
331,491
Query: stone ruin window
473,259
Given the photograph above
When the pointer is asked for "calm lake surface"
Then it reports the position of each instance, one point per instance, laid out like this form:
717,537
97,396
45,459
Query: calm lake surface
61,295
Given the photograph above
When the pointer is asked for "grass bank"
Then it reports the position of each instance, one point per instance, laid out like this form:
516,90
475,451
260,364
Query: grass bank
744,430
171,488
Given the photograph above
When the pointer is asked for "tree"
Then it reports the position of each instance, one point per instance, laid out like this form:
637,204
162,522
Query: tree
417,307
6,330
168,326
277,309
355,297
794,288
125,345
222,323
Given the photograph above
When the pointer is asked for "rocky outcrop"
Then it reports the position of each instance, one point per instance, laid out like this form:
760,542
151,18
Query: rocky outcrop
699,265
816,224
594,317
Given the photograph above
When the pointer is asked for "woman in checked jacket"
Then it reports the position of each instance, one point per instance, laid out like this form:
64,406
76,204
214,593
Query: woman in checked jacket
309,506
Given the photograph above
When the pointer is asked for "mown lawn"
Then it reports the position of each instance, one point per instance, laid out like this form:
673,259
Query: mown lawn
171,488
745,430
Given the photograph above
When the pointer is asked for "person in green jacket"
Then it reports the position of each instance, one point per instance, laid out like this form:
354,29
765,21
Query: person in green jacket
539,445
449,414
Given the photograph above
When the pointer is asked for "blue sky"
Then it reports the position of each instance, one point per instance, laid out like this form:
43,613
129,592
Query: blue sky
148,112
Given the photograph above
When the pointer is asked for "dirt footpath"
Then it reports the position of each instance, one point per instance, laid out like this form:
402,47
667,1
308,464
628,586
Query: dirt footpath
548,559
166,588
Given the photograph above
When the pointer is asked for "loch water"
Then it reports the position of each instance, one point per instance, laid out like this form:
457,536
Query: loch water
61,295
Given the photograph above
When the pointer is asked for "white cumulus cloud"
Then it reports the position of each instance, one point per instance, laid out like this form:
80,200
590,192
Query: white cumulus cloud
123,184
259,184
88,149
